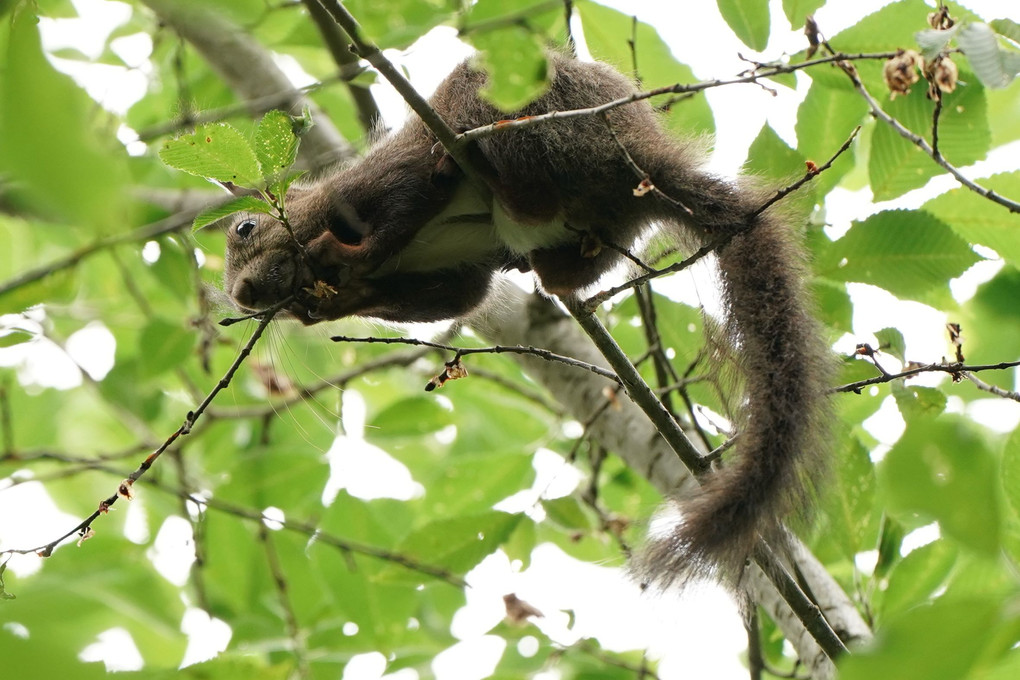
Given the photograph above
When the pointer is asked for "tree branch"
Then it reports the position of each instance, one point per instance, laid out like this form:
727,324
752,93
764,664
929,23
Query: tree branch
920,142
124,490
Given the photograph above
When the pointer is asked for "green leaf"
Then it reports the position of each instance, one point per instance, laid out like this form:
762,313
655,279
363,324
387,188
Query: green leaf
252,204
849,502
608,32
979,220
918,402
944,641
890,341
770,157
911,254
517,67
163,345
749,20
825,119
459,543
995,67
52,141
463,490
917,577
45,656
12,338
217,151
1011,472
797,10
991,325
411,417
943,469
1007,28
893,25
896,165
890,541
568,513
398,24
275,145
54,288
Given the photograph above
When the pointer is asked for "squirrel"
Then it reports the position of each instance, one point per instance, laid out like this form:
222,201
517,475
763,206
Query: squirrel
402,235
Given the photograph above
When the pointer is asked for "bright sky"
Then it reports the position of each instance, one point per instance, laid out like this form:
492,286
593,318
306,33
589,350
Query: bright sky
705,642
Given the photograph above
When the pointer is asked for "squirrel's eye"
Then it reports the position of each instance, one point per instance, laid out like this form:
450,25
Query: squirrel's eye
244,229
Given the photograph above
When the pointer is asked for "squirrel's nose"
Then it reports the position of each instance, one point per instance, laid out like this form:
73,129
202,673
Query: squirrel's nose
248,294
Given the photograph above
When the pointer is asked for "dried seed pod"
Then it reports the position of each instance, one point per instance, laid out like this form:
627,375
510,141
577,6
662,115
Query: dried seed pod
901,72
942,74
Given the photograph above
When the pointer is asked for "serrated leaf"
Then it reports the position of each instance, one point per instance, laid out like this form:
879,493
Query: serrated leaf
275,145
890,341
979,220
769,156
897,165
397,25
909,253
1007,28
240,204
825,119
217,151
749,20
892,25
608,32
991,325
943,469
981,45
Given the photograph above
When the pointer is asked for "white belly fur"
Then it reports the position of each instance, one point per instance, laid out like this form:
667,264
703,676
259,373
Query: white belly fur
470,230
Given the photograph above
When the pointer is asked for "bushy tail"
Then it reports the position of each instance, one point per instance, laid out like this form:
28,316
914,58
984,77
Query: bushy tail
785,363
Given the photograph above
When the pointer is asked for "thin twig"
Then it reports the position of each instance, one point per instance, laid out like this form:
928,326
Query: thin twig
245,108
495,349
340,49
921,143
148,232
952,369
595,300
371,53
298,643
529,121
189,422
986,387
